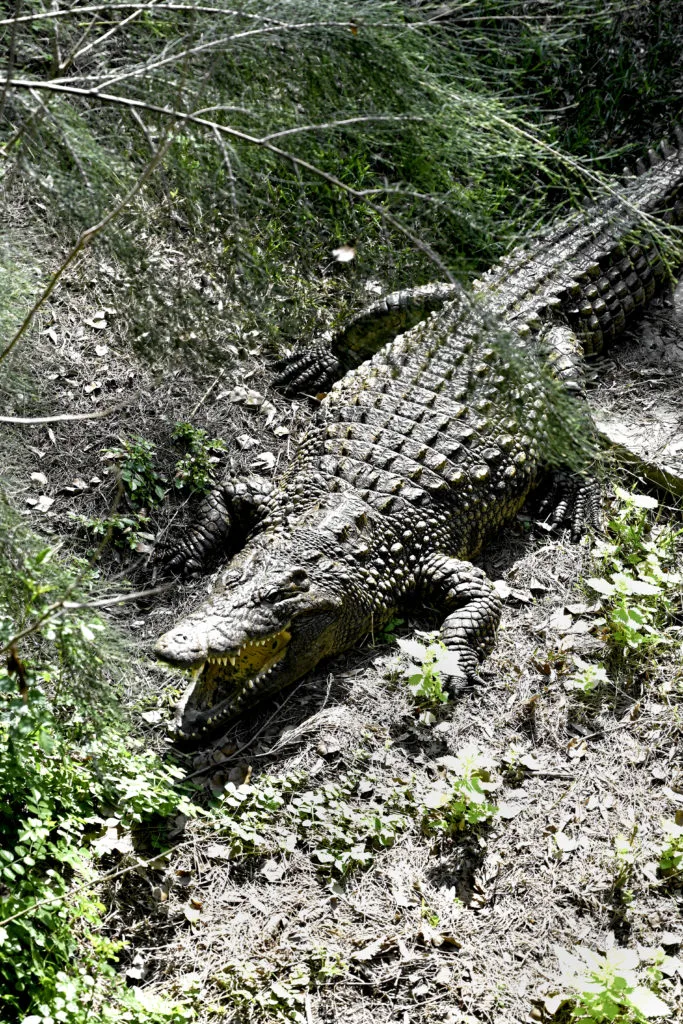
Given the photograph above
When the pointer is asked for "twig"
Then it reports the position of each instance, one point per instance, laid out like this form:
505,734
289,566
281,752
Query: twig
206,394
228,166
150,8
54,611
84,238
606,732
100,39
65,416
214,44
366,118
107,602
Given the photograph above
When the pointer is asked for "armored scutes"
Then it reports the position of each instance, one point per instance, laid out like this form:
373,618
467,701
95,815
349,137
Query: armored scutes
414,457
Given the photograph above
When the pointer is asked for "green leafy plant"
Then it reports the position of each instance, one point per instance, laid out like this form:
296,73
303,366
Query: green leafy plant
640,590
195,470
342,835
67,766
144,486
462,802
252,809
671,853
336,823
611,987
588,678
427,659
388,634
128,533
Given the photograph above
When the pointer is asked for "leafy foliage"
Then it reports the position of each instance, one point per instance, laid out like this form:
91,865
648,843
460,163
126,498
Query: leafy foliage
126,532
641,589
428,118
194,472
611,987
426,661
65,766
259,991
143,485
340,831
462,804
671,852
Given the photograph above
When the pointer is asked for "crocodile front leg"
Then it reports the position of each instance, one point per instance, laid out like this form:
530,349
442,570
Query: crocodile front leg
474,610
231,508
316,368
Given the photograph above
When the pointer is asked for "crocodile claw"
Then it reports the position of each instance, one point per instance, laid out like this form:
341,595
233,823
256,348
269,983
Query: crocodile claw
572,501
312,371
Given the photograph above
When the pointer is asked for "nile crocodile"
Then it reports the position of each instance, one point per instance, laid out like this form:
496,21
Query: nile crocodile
414,456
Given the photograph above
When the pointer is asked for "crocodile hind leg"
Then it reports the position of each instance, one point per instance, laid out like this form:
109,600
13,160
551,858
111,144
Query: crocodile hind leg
474,609
570,499
233,507
315,369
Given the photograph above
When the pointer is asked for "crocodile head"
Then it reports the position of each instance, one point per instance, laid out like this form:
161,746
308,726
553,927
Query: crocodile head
275,614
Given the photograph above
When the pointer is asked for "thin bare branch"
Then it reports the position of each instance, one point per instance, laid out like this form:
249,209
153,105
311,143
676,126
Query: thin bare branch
212,44
109,602
107,35
91,884
61,607
253,140
364,119
51,116
150,7
85,34
228,166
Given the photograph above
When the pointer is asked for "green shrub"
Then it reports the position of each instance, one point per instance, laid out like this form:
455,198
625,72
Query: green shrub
613,987
128,533
427,659
143,485
640,589
462,803
194,472
671,853
66,766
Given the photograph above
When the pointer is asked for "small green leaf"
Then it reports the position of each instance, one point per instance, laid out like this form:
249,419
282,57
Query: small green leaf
646,1002
412,649
602,586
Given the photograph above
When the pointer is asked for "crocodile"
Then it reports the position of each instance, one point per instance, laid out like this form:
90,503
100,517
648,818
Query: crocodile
415,455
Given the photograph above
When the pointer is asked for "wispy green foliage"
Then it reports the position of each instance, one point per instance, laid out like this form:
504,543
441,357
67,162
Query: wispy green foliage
447,117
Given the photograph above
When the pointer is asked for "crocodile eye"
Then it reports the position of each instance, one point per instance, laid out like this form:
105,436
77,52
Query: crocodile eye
295,584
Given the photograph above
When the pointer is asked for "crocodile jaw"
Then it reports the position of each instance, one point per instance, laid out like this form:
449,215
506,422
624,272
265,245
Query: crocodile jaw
247,671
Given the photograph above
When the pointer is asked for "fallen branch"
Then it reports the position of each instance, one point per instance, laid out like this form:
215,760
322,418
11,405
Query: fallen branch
64,417
54,611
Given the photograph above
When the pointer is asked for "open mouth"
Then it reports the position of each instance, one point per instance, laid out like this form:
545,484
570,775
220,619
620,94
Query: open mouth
223,681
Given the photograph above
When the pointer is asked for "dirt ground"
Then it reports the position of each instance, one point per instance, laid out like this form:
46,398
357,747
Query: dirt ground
463,930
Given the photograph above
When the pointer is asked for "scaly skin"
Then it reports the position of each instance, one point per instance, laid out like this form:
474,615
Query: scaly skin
414,457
